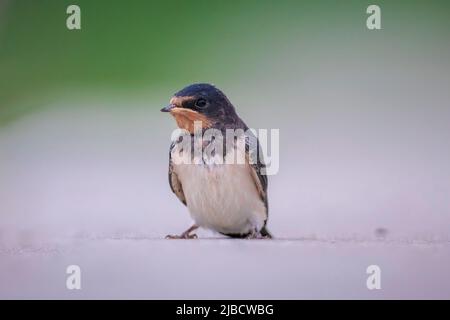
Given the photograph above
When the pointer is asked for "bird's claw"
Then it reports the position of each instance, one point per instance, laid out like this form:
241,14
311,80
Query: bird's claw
182,236
256,236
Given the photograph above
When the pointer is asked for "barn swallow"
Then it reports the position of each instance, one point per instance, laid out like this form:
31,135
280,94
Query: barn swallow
227,197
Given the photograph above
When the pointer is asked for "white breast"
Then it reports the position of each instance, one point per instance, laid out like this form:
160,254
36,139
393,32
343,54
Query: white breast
222,197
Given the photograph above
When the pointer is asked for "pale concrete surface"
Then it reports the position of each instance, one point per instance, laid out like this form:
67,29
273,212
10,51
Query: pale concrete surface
149,268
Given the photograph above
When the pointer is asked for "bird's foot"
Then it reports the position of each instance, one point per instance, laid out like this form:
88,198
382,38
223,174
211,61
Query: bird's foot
185,235
182,236
257,235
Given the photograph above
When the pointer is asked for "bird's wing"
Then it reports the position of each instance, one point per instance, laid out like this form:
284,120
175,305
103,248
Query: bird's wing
175,184
253,151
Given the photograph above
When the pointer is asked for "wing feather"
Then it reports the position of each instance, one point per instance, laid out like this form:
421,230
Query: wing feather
254,152
174,183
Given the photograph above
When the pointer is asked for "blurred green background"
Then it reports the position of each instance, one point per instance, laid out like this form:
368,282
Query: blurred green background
137,47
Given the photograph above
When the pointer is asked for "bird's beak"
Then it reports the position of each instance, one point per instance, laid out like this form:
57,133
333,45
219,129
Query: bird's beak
168,108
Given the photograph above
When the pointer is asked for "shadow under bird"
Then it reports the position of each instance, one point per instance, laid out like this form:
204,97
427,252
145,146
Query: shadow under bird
225,196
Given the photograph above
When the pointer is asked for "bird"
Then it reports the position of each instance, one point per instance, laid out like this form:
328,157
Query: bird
220,193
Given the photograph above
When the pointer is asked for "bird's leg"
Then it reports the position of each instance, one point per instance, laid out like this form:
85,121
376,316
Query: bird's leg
185,235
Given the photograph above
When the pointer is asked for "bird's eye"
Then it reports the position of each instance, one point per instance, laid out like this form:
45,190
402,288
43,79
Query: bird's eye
201,103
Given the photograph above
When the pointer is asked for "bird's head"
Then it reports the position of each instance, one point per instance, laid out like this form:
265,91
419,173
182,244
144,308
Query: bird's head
201,102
